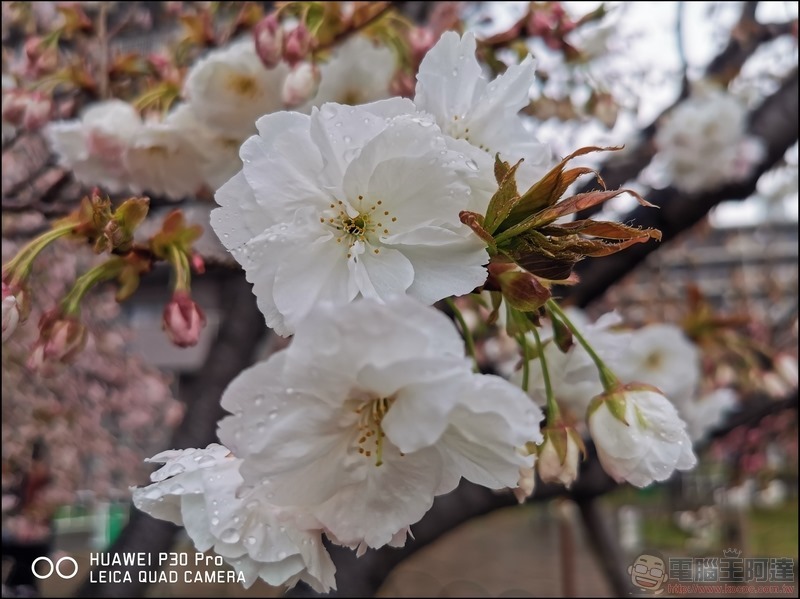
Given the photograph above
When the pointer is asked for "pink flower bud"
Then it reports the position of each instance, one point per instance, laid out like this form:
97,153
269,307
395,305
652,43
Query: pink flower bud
269,41
61,339
183,320
297,45
31,110
301,84
540,23
37,111
198,264
420,40
40,59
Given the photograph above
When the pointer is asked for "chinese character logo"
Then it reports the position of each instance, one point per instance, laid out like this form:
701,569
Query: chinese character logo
648,573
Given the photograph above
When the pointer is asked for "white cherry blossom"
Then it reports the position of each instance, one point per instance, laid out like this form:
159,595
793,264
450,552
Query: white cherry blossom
371,412
198,489
639,436
703,142
95,146
230,88
348,202
219,152
482,116
704,413
358,72
164,158
660,355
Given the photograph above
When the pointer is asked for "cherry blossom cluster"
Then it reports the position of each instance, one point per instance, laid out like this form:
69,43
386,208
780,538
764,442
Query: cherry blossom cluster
195,146
704,142
350,222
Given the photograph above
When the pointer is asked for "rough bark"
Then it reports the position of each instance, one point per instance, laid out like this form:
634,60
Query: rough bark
241,330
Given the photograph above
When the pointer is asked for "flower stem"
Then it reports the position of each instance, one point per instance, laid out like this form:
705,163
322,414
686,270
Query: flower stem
526,367
20,265
553,413
470,342
183,273
110,269
607,377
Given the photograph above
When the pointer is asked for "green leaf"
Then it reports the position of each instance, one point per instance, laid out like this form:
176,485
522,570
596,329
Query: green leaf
552,186
506,196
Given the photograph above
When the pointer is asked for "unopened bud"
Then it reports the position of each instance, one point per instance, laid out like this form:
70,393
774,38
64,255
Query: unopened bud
268,34
521,289
559,456
30,110
297,45
524,488
183,320
301,84
420,40
61,339
11,315
40,58
198,264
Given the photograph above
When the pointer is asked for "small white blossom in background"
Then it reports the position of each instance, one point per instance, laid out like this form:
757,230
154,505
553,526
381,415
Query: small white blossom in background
348,202
639,436
164,158
705,413
358,72
573,374
199,489
230,88
482,117
661,355
704,142
300,84
363,435
95,146
218,153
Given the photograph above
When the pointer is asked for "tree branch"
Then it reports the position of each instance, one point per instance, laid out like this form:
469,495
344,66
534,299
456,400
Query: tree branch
241,331
775,122
747,35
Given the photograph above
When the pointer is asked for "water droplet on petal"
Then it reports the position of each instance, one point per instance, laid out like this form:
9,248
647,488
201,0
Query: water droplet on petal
472,165
214,521
347,139
250,540
231,535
